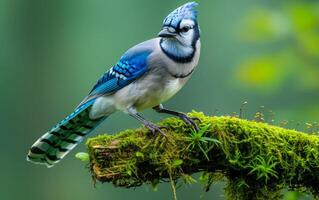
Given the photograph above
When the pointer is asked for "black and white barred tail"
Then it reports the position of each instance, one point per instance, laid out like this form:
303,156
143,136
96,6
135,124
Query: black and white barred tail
61,139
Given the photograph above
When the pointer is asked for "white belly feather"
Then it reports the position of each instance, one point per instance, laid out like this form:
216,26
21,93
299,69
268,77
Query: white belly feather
172,87
145,93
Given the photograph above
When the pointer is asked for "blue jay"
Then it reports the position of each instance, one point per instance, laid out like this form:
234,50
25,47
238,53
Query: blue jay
145,76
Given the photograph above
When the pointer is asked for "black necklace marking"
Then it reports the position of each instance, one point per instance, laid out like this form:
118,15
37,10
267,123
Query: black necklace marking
181,75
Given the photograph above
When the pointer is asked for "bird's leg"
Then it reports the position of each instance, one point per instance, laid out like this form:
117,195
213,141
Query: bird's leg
151,126
160,109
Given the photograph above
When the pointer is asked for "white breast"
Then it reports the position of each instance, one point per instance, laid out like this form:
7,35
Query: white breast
171,88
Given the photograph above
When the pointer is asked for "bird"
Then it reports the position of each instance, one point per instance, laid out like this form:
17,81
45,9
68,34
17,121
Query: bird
146,75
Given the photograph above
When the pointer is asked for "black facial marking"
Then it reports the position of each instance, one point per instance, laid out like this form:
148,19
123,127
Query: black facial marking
187,58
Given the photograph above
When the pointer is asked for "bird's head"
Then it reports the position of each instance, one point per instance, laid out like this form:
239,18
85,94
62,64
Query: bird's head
181,25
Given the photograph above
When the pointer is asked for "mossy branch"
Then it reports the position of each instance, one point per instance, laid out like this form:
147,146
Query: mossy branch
257,160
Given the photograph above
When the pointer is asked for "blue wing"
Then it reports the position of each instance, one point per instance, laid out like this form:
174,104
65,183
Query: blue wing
130,67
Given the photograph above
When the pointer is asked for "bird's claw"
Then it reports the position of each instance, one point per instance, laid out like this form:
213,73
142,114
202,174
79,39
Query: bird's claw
155,129
190,121
196,119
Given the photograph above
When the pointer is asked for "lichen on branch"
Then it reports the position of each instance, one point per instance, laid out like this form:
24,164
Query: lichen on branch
256,159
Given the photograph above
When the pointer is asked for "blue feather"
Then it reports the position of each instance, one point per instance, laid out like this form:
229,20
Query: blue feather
78,110
186,11
62,138
128,69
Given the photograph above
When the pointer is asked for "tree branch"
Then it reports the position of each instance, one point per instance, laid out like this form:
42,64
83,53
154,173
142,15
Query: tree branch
257,160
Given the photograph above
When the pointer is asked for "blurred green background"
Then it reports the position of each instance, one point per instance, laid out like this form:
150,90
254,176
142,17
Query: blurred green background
52,52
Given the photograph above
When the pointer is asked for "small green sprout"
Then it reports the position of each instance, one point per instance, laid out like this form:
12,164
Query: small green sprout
259,117
83,156
264,169
241,110
177,163
309,125
198,139
139,155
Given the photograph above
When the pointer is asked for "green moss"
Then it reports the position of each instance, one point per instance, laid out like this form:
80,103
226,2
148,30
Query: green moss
257,160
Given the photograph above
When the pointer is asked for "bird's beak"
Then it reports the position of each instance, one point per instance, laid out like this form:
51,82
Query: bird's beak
165,33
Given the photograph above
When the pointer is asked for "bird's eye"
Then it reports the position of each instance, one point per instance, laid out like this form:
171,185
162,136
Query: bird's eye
185,29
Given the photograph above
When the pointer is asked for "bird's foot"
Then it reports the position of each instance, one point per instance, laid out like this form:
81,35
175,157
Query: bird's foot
190,120
155,129
196,119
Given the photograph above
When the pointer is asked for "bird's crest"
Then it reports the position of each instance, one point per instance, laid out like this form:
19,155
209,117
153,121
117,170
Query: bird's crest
185,11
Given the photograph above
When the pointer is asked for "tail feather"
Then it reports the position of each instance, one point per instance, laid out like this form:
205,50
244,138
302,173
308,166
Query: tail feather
61,139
